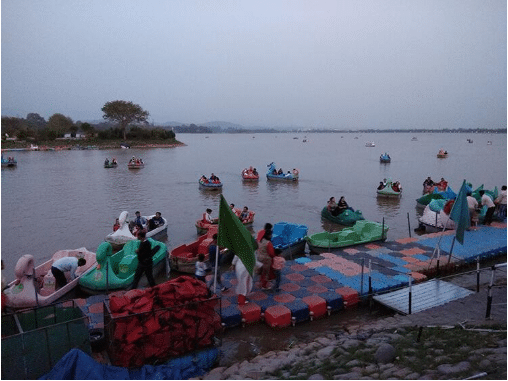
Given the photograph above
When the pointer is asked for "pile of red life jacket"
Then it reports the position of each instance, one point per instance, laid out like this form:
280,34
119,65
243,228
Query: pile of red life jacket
155,324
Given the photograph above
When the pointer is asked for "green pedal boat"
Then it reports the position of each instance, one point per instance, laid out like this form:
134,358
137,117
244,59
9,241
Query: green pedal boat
115,271
362,232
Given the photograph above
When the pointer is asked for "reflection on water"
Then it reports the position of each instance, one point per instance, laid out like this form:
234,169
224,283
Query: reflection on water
388,206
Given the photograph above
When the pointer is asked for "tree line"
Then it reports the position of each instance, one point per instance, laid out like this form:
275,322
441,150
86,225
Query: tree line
124,120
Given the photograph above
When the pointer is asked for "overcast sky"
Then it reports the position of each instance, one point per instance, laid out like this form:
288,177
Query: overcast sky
316,63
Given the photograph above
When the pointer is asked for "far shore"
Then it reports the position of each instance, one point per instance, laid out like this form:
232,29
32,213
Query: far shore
62,145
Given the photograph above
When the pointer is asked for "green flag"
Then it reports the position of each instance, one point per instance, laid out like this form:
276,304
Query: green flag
233,235
460,213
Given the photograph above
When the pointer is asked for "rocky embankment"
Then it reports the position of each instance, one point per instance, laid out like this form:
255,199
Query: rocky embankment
453,341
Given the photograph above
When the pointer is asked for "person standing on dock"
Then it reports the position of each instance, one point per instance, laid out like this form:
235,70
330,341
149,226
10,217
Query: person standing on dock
145,262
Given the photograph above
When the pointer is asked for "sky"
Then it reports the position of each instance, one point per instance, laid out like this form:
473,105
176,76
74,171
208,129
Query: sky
394,64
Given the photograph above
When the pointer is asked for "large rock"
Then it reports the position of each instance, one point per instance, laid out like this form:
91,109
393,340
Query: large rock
385,354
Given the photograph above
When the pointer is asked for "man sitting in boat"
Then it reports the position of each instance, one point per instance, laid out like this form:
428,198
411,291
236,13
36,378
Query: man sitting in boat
116,226
204,179
396,186
255,172
156,221
280,172
443,184
106,162
380,186
207,217
114,161
214,179
245,214
60,266
137,224
332,206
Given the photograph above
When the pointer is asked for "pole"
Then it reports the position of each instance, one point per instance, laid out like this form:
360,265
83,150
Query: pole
478,274
361,281
35,287
370,284
216,269
107,277
383,230
451,250
410,294
408,225
489,295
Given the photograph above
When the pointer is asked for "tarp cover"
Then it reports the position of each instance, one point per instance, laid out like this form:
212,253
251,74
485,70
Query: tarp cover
77,365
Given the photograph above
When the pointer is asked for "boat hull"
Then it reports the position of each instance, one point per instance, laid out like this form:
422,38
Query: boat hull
346,218
290,238
23,294
116,271
361,233
210,186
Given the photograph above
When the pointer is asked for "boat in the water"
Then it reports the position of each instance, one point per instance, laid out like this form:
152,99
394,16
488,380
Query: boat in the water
135,163
370,144
213,183
434,218
250,174
184,257
442,154
347,218
274,174
423,201
203,226
127,231
360,233
290,238
110,164
390,189
414,139
9,162
249,218
35,286
385,158
116,271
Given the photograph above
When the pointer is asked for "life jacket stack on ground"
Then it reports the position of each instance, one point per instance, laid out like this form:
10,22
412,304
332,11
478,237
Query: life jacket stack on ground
152,325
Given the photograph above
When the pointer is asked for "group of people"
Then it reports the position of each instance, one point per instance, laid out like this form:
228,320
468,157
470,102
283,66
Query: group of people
140,223
113,161
497,206
395,186
213,179
337,208
243,215
269,264
250,171
429,184
136,161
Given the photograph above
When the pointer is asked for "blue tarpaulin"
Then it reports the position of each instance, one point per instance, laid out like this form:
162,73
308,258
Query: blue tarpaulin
77,365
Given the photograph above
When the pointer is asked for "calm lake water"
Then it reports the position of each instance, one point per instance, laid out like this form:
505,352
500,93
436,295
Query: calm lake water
66,199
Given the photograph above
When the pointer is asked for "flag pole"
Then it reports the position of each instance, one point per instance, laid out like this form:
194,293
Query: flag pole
216,264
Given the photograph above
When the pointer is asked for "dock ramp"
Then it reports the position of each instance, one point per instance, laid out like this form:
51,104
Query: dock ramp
423,296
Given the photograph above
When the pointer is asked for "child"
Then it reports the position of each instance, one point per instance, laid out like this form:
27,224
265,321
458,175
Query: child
201,268
278,263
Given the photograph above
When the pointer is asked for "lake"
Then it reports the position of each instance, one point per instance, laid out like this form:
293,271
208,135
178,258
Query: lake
66,199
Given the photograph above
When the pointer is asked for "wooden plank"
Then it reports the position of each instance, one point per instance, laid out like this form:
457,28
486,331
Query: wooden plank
423,296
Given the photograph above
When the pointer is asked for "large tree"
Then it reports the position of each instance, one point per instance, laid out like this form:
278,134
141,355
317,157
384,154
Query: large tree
59,124
124,113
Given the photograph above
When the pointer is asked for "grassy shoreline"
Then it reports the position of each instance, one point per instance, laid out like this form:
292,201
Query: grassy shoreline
90,144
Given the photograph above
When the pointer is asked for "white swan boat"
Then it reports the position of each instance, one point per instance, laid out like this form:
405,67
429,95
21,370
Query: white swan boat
35,286
123,235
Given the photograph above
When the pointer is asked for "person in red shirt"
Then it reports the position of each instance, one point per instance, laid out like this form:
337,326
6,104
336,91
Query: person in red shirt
261,233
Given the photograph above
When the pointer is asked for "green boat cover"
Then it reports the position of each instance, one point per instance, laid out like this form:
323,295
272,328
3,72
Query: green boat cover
346,218
426,199
362,232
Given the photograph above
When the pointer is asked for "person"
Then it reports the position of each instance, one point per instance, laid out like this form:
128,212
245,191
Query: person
201,268
114,161
62,265
396,186
204,179
332,206
116,226
212,254
280,172
472,205
380,186
428,182
106,162
156,221
491,207
261,233
443,184
245,214
207,218
278,263
244,280
139,220
501,204
255,172
145,262
342,205
265,254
